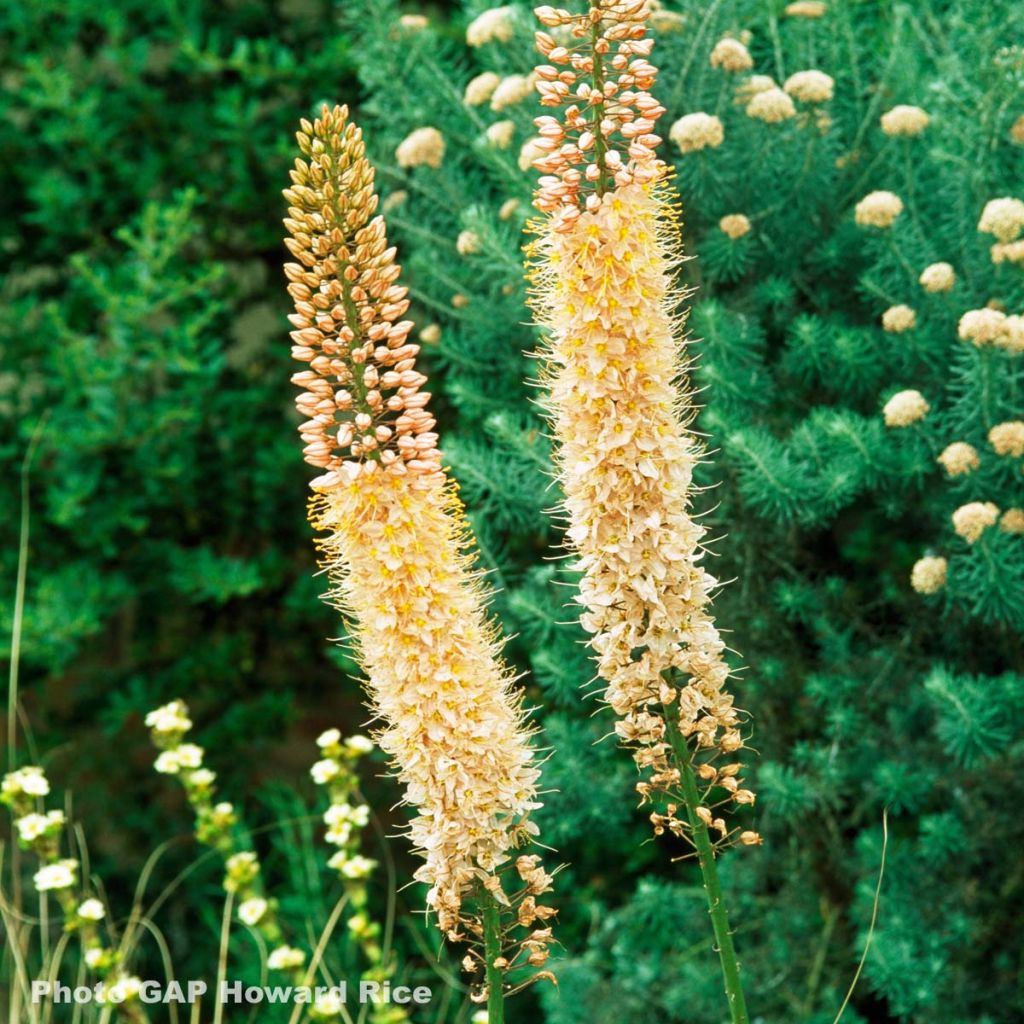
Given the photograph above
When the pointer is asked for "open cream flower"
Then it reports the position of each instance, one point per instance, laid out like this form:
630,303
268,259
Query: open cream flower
397,546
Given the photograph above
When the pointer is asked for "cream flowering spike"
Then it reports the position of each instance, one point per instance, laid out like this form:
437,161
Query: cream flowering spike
397,549
605,290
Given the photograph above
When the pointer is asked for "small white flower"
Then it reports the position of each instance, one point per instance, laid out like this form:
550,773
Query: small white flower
285,957
324,771
251,912
480,1017
328,738
124,989
94,956
170,718
59,875
167,762
359,744
29,780
202,777
91,910
339,834
32,826
189,755
358,867
329,1005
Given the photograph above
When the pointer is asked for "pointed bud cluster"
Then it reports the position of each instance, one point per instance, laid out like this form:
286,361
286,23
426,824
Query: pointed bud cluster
361,393
604,136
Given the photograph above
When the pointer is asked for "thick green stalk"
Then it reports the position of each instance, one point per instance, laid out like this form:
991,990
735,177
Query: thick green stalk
492,950
709,871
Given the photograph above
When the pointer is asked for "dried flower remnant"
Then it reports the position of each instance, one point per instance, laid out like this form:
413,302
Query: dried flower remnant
397,544
938,277
959,459
929,574
970,521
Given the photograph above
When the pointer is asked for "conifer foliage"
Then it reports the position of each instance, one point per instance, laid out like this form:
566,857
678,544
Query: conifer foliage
857,315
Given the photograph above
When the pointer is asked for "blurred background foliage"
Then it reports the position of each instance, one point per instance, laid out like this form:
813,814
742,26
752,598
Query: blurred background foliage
142,150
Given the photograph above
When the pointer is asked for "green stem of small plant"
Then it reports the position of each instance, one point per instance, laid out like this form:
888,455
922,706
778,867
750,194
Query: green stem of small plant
709,871
492,951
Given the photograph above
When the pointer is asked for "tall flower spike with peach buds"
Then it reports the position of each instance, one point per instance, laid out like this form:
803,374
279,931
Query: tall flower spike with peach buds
397,552
603,269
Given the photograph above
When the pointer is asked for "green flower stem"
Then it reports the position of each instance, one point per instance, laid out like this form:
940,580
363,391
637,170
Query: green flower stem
492,950
709,871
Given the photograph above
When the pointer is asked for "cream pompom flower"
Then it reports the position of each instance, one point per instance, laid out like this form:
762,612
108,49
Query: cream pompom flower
970,521
1017,131
752,85
511,90
396,542
494,25
981,326
806,9
1008,438
810,86
929,574
1003,218
773,106
897,319
735,225
530,151
904,120
500,134
937,277
1008,252
878,209
422,148
731,55
905,408
697,131
1012,521
1010,336
959,458
481,88
467,243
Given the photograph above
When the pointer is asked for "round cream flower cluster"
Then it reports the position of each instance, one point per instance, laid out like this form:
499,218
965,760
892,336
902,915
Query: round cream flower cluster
511,90
413,22
431,334
938,277
959,458
495,25
25,782
771,106
929,574
905,408
1008,252
697,131
530,151
481,88
500,134
806,9
1008,438
970,521
982,326
1003,218
285,958
810,86
467,243
731,55
1012,521
422,148
878,209
749,87
1017,131
904,120
735,225
897,319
